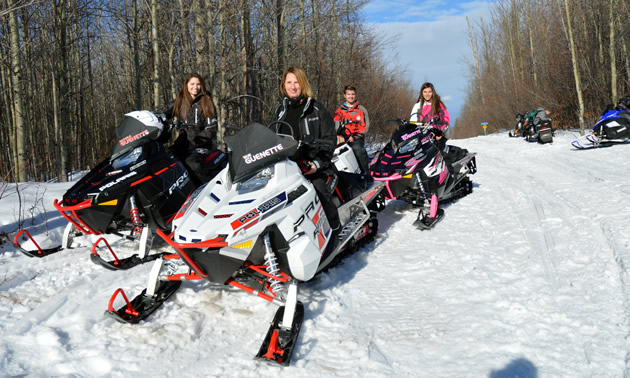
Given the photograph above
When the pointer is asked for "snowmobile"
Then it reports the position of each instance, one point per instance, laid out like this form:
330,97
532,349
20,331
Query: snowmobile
540,132
518,131
613,127
138,189
413,168
258,226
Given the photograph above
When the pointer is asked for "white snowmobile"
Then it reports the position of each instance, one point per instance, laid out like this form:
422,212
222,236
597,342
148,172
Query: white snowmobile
258,226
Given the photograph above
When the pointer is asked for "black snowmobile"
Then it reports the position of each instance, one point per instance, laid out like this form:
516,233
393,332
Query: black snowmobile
540,131
414,168
518,131
138,189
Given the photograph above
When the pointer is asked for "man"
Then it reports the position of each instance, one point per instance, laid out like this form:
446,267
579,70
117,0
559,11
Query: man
353,123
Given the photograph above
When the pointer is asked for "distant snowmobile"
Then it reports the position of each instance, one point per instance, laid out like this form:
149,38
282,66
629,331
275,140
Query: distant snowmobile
613,127
138,189
518,131
258,226
413,168
541,132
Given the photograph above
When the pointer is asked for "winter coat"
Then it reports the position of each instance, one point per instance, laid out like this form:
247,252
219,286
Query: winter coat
316,122
535,117
424,115
353,113
195,131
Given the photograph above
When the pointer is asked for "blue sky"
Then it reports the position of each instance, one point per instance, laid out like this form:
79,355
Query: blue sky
430,39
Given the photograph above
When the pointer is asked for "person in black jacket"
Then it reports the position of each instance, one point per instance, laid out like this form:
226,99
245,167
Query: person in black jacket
195,112
310,120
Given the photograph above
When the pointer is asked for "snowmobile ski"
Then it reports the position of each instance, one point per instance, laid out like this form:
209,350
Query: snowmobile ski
39,252
424,222
280,341
143,305
145,243
123,264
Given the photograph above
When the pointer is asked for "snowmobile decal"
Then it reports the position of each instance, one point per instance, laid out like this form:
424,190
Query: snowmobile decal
241,202
179,183
143,162
275,201
117,181
252,214
128,139
250,158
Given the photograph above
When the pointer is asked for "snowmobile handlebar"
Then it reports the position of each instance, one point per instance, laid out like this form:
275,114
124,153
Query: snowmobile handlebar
307,140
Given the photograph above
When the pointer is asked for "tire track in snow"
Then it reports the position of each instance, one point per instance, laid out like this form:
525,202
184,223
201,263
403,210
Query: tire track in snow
622,258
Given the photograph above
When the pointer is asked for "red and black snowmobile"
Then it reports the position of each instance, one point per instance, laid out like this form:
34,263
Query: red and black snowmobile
137,190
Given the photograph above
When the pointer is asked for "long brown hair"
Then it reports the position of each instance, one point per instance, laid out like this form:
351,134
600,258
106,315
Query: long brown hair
435,99
301,78
184,100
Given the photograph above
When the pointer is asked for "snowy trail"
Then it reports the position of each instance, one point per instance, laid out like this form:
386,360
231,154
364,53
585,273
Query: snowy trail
526,276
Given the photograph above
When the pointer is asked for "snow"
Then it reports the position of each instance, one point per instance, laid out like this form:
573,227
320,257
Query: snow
527,276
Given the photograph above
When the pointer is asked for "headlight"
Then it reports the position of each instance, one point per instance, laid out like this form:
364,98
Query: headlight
257,181
409,146
127,158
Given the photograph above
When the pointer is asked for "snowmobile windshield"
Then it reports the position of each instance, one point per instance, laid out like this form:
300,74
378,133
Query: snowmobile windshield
405,140
256,147
132,133
128,158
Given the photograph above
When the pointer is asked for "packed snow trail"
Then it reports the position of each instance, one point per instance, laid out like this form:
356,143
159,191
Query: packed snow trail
526,276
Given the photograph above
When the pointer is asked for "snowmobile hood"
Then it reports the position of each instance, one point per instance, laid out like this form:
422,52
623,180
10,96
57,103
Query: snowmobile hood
255,147
612,114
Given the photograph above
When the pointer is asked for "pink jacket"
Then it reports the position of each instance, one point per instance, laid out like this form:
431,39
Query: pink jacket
426,116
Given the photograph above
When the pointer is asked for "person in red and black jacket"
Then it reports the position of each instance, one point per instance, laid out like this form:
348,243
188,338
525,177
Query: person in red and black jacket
353,123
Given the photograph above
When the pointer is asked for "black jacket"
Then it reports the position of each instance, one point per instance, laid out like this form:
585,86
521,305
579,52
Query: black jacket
315,122
195,131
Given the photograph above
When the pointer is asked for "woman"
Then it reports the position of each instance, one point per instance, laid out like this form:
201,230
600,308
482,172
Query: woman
429,107
309,118
197,125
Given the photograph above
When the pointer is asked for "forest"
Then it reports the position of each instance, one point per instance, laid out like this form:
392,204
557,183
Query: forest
71,69
568,56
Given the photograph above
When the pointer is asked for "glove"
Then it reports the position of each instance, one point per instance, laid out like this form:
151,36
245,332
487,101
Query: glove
437,132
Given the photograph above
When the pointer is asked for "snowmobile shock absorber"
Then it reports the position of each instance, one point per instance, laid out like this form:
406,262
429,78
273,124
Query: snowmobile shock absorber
272,265
135,216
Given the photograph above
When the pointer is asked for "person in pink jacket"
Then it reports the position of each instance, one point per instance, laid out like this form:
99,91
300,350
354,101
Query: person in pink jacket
430,107
431,110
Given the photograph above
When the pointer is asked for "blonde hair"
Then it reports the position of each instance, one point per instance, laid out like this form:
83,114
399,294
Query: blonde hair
301,78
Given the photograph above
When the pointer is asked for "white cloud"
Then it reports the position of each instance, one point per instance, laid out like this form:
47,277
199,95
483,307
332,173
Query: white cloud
435,50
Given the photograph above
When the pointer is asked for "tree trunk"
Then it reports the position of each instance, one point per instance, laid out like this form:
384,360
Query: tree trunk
136,57
156,54
281,35
576,70
613,60
200,35
18,102
62,97
531,48
472,43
